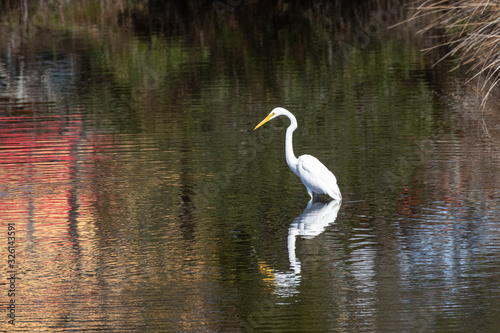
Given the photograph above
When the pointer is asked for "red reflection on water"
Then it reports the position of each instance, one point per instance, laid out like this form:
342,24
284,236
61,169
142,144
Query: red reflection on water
37,164
38,175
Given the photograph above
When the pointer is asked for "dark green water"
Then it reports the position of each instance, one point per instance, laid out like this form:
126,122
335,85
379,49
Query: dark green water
143,200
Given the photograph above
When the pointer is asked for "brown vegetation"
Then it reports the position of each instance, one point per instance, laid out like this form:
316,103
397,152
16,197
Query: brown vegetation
471,31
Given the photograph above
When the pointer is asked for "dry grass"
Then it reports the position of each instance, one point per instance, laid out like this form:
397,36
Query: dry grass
472,33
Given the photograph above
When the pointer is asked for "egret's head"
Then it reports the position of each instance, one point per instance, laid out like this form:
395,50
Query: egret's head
275,113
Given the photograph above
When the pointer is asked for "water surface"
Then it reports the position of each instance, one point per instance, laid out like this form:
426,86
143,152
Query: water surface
143,200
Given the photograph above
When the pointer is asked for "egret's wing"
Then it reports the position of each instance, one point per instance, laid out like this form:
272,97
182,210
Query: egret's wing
316,176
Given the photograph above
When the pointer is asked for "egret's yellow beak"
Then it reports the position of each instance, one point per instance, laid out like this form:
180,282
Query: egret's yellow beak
264,121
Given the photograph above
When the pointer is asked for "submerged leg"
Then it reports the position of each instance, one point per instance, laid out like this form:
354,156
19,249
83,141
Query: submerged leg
311,193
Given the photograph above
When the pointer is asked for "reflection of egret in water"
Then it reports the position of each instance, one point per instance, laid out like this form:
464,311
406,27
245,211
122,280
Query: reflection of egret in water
312,222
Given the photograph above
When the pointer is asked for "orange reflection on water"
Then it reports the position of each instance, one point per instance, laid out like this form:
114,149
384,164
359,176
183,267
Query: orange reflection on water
88,249
38,158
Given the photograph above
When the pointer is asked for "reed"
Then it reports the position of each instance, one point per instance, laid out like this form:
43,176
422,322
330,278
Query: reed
471,31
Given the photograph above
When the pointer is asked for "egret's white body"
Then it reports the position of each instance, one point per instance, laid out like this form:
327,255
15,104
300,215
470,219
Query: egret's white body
316,177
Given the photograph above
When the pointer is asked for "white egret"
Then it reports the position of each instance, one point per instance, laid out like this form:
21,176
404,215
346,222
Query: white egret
316,177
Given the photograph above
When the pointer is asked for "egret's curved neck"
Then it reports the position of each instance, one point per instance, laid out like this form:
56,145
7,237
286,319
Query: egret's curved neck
291,160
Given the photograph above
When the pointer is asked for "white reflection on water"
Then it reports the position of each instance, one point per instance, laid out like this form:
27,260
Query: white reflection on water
311,223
